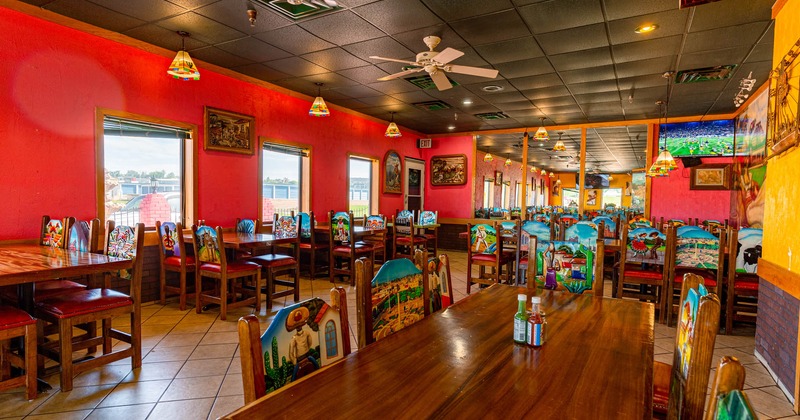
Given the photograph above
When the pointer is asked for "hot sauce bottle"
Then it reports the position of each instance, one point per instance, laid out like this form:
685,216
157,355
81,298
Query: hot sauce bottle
535,327
520,321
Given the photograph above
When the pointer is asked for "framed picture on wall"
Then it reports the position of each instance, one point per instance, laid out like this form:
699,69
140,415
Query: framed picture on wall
711,177
533,184
229,132
392,173
591,197
449,170
498,178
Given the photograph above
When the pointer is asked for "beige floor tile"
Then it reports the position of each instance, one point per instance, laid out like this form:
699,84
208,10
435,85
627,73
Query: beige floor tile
126,412
774,391
136,393
177,340
204,367
168,354
225,405
191,328
182,389
185,409
154,372
224,326
163,320
80,398
232,385
235,366
231,337
769,405
757,376
207,317
155,330
214,351
103,375
15,404
67,415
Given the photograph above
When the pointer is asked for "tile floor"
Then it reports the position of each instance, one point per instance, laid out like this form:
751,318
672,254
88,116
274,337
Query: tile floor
191,368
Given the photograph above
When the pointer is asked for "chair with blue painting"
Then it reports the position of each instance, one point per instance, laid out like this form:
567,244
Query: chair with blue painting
497,213
377,239
301,339
531,233
405,238
715,227
643,267
679,390
281,259
486,251
572,264
516,213
727,400
343,247
741,290
564,222
429,228
693,250
394,298
246,227
174,260
481,213
311,242
609,226
639,221
437,273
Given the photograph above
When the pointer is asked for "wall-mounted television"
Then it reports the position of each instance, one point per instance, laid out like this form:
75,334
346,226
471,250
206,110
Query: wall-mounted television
703,138
594,181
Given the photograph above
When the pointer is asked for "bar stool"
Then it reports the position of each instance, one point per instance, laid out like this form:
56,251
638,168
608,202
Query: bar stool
17,323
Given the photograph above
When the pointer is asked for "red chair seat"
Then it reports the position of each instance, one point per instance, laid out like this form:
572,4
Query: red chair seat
83,302
344,249
406,240
708,280
176,261
377,245
233,267
273,260
745,285
307,245
430,235
12,318
642,274
491,258
523,261
46,289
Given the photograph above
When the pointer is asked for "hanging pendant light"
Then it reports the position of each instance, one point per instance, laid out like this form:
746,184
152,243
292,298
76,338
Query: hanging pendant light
392,130
559,147
541,133
664,163
182,66
319,108
533,169
543,173
488,158
552,175
508,161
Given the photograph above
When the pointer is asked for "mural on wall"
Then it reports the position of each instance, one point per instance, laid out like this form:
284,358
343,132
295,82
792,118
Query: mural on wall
638,189
749,165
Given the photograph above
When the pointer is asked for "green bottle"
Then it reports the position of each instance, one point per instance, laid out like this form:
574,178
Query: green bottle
521,321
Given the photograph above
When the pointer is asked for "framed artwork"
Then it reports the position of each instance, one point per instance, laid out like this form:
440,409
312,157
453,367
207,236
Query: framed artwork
392,173
498,178
229,132
449,170
711,177
533,184
591,197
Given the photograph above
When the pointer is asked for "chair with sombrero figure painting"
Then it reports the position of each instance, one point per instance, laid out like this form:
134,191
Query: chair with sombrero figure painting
174,260
437,273
486,251
343,247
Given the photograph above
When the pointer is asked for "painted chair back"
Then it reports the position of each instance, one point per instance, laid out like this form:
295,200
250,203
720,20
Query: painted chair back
427,217
610,227
83,236
375,222
246,225
509,229
713,226
436,271
403,222
748,250
286,227
306,225
697,248
676,222
636,222
516,212
483,239
571,263
170,238
302,338
583,232
395,298
340,226
54,232
121,242
727,401
207,245
126,242
533,235
645,245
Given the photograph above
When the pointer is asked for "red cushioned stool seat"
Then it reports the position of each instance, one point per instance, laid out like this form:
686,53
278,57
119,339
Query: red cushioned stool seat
746,285
233,267
176,261
45,289
343,249
643,274
405,240
12,318
273,260
83,302
708,279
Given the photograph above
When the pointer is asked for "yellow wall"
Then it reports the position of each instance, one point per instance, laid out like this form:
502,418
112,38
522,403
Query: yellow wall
568,181
782,188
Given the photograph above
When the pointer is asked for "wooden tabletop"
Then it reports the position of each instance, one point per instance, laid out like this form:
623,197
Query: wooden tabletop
32,263
239,240
462,363
357,230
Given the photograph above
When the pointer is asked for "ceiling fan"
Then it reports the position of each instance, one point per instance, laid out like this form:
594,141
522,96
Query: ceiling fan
436,63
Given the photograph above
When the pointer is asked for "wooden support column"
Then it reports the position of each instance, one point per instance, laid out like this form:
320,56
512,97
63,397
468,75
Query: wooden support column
524,169
652,132
582,173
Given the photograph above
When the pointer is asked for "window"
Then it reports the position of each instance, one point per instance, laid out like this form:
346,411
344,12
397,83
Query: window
331,345
146,166
362,186
612,196
284,179
570,197
488,193
504,195
518,194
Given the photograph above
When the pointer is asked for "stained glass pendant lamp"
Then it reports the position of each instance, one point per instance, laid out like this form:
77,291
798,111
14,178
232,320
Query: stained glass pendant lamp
543,173
488,158
664,163
541,133
319,108
508,161
559,147
182,66
392,130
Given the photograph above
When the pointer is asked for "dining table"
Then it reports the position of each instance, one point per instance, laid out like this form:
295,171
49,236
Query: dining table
241,240
462,362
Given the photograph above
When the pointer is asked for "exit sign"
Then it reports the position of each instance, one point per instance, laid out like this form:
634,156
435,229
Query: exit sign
424,143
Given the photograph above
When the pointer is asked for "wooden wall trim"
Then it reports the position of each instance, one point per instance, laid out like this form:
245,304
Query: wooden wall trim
786,280
776,8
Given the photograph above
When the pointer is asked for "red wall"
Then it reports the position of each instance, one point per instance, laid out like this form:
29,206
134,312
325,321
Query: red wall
55,77
449,200
671,197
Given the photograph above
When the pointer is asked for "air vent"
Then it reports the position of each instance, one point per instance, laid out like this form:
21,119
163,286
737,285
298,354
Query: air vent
692,3
425,82
706,74
303,10
432,105
488,116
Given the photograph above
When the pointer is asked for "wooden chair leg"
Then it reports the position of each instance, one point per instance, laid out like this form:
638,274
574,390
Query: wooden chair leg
223,294
136,337
65,344
5,363
469,275
163,282
30,362
297,283
198,292
106,325
182,296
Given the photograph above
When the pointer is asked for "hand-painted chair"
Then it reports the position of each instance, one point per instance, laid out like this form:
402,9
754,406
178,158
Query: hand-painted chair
693,250
311,242
18,324
56,233
429,220
301,339
516,213
727,401
715,227
486,250
212,263
643,266
437,272
609,226
83,236
531,233
636,222
564,222
377,240
567,266
679,390
247,226
396,297
100,304
287,230
174,260
741,303
404,236
344,249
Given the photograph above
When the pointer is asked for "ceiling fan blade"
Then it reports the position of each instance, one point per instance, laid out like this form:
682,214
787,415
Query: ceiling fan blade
447,55
441,80
472,71
375,57
400,74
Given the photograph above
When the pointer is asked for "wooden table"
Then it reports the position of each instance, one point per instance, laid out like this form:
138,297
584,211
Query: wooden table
240,240
462,363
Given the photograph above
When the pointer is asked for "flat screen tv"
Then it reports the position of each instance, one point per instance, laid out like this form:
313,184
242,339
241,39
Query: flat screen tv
596,181
704,138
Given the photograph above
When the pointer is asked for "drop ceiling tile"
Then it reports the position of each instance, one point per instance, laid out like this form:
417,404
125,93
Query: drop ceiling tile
341,28
334,59
294,39
192,4
593,87
524,105
236,17
163,37
504,97
547,92
296,66
712,86
730,37
392,87
358,91
575,39
260,71
253,49
512,50
581,59
535,82
94,14
713,58
383,47
380,101
364,75
590,98
484,29
394,16
620,9
644,67
521,68
651,48
354,104
588,74
201,27
555,101
605,108
219,57
731,13
146,10
411,97
761,52
414,39
329,81
460,9
557,15
637,83
669,23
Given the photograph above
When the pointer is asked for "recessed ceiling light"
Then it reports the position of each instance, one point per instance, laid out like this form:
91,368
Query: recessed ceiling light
647,27
451,127
541,144
467,101
492,88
